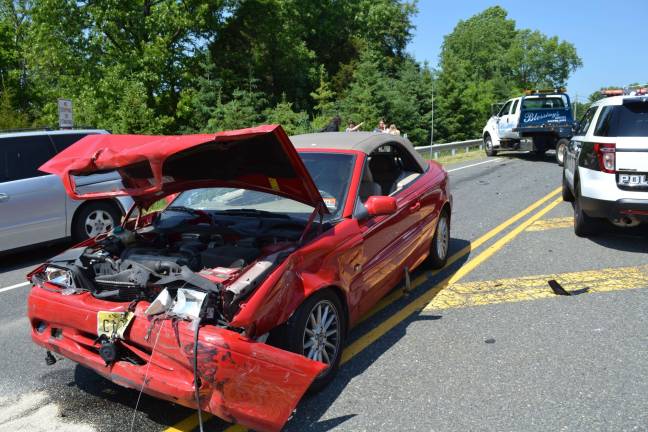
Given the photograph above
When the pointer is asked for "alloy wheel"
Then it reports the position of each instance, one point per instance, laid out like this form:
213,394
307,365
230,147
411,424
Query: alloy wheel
322,333
97,222
443,237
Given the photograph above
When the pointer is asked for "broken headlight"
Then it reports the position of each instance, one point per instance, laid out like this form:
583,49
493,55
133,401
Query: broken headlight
55,275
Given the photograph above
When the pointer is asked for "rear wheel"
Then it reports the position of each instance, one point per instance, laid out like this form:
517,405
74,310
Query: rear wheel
440,241
95,218
561,147
584,226
316,331
488,146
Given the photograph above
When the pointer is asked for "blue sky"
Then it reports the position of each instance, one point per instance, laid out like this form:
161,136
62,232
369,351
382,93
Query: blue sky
612,44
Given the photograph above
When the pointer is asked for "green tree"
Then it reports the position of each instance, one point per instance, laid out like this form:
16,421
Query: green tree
242,111
539,61
366,99
10,118
293,122
323,96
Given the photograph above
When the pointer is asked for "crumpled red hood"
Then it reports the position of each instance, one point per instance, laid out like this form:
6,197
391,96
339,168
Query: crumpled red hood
260,158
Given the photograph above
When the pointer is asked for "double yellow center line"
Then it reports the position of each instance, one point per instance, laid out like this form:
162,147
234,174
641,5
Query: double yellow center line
424,299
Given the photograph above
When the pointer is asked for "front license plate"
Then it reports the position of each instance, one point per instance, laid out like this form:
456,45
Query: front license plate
113,324
633,180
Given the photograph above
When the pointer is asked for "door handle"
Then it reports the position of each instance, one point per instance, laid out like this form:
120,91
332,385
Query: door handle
416,206
4,197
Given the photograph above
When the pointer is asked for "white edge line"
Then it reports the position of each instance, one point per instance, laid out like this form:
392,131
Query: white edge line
9,288
470,166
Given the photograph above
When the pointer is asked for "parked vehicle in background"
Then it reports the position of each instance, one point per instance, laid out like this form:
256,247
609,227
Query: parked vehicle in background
606,163
34,207
541,120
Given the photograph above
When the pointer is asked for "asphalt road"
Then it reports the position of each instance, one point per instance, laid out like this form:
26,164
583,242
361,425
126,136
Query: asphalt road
486,344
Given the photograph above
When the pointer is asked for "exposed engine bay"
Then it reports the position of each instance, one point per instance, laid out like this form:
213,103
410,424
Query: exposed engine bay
225,256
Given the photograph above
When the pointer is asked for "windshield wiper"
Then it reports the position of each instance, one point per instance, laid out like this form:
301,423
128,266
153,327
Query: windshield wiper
182,209
253,212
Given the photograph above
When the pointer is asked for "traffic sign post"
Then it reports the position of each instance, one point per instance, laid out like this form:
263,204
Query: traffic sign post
65,114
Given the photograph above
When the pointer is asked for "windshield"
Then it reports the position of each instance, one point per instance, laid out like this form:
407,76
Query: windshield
540,102
331,173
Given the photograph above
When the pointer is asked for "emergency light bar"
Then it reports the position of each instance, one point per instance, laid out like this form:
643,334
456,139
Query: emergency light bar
635,90
546,91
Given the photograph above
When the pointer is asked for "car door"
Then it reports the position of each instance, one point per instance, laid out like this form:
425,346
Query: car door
32,204
503,127
387,245
575,145
514,120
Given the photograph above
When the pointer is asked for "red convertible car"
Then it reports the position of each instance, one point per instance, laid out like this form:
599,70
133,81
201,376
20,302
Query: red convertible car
237,297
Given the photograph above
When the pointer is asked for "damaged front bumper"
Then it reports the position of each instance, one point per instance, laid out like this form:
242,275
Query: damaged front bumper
241,380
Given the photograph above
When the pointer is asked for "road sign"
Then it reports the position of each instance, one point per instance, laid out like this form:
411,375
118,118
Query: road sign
65,113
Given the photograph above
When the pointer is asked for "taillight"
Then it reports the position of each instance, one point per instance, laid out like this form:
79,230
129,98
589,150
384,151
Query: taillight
606,155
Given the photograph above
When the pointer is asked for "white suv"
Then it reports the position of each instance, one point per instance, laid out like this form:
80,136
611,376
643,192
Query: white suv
606,165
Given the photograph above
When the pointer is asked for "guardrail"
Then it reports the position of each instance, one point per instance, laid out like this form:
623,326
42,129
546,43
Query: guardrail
453,147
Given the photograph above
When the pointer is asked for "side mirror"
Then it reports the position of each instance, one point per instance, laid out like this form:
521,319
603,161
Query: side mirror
381,205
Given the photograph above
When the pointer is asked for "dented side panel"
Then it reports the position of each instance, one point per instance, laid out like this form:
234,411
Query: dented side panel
243,381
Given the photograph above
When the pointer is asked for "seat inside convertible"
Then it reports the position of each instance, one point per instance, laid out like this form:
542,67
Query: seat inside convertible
389,170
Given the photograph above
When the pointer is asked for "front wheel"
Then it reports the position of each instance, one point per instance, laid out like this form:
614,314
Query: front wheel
561,147
440,241
316,331
488,146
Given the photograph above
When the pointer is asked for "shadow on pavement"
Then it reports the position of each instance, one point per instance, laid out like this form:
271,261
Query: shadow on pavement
549,157
30,257
313,407
623,239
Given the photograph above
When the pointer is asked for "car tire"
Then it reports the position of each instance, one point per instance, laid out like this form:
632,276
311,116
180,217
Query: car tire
94,218
567,194
488,146
561,147
584,225
440,241
303,333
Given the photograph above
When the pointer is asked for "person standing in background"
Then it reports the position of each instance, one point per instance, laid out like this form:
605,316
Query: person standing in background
392,130
333,125
352,127
381,127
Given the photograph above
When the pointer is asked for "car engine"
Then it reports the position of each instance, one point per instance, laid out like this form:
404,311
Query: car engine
131,265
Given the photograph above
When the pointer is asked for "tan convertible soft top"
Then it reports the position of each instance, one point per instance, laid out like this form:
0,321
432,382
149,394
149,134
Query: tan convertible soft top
366,142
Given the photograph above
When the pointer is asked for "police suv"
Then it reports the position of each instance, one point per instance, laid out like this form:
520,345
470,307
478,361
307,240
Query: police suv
605,172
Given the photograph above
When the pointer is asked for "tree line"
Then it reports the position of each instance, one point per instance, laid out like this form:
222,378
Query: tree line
183,66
